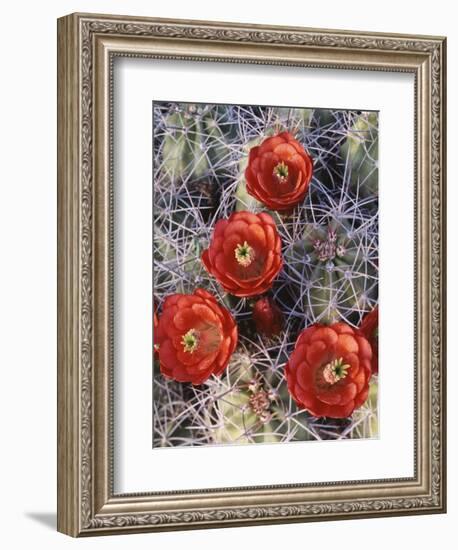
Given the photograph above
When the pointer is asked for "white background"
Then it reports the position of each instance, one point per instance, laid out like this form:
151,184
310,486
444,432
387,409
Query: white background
28,274
136,82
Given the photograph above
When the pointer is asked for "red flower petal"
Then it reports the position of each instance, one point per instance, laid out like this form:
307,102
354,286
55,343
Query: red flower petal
326,334
317,352
184,319
346,344
285,151
204,314
365,348
270,143
205,294
253,154
369,328
220,228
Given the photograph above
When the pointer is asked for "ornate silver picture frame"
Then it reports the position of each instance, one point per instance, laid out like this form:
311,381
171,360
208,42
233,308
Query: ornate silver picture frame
87,46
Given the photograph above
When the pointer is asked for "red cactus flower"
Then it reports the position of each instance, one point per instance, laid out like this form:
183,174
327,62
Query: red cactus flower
244,253
155,325
196,337
279,172
329,370
267,316
369,327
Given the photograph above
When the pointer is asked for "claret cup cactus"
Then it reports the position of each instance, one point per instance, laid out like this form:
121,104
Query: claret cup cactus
299,189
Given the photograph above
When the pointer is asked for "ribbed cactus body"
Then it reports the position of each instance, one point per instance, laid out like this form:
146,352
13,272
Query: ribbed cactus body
365,419
360,154
256,407
335,264
196,142
243,200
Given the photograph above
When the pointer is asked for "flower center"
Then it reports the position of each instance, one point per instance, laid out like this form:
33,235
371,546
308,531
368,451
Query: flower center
190,341
244,254
335,371
281,172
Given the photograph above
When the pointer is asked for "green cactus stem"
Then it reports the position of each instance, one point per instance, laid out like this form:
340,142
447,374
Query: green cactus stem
359,153
338,266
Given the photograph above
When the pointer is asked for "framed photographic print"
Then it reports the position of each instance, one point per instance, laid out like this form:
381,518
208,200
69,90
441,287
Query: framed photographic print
251,274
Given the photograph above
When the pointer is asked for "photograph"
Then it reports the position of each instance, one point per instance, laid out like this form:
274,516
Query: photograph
265,275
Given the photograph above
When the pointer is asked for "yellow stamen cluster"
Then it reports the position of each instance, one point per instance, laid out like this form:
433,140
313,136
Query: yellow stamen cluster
190,341
244,254
335,371
281,172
